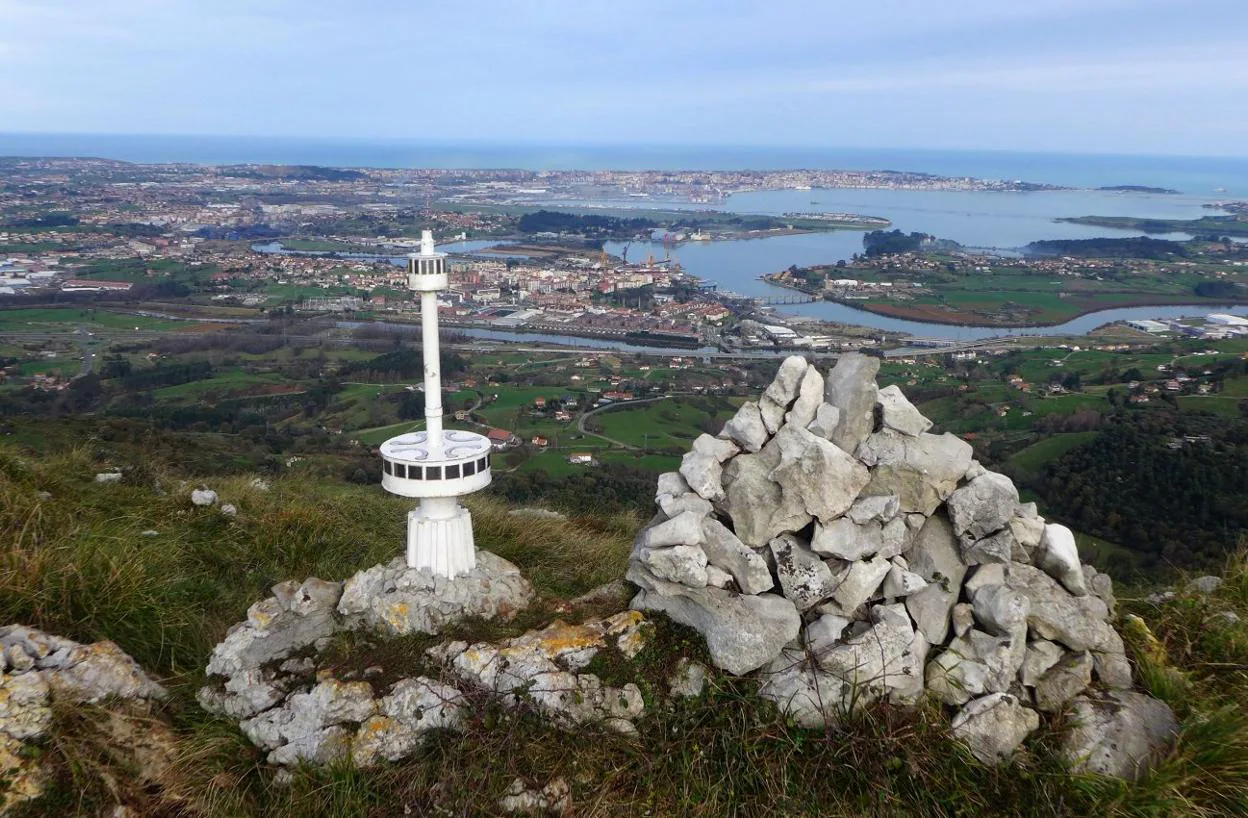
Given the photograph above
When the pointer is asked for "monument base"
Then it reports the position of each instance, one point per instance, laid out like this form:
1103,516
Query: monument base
439,538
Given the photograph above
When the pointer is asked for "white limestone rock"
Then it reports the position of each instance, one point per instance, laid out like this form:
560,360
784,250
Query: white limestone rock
1065,680
809,399
983,506
704,474
274,631
1079,623
879,508
860,583
413,708
981,576
962,619
554,799
533,667
975,664
759,508
901,583
25,711
1119,734
683,529
687,680
850,387
804,578
825,632
1102,586
930,608
1041,655
1059,557
673,505
399,600
307,727
934,555
109,477
827,418
683,564
671,484
844,539
994,726
886,659
825,478
716,447
1001,610
1028,531
746,428
922,471
742,632
784,388
99,671
772,414
898,413
999,547
717,577
1112,669
725,550
809,695
203,497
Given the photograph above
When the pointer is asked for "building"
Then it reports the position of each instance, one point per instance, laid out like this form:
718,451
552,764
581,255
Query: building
1145,325
501,439
1225,320
95,285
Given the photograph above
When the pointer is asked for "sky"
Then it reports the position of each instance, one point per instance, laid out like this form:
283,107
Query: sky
1113,76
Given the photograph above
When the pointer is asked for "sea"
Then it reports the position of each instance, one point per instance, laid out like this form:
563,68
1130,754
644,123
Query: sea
1004,221
1190,174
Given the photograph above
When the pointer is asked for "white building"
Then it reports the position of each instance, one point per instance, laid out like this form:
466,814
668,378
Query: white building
1226,320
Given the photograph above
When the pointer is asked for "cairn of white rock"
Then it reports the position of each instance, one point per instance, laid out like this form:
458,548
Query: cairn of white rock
828,541
266,673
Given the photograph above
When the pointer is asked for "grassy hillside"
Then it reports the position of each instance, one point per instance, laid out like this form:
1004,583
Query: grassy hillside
74,560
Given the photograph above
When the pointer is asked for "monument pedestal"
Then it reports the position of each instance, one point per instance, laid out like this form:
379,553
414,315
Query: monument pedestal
439,538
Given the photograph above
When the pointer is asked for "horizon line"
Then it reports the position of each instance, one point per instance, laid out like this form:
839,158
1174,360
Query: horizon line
469,143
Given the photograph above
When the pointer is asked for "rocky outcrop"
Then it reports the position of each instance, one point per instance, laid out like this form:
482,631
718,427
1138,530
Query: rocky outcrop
401,600
864,558
38,669
268,674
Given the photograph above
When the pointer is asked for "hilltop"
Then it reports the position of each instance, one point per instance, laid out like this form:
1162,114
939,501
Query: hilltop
134,561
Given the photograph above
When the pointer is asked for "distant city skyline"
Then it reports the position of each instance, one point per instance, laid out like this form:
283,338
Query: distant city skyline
1098,76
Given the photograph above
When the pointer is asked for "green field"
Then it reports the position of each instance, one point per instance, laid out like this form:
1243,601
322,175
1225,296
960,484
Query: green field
226,382
1030,460
672,423
70,318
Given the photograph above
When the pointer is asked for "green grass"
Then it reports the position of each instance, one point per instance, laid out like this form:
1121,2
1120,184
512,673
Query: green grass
662,424
1031,459
224,383
41,318
1221,404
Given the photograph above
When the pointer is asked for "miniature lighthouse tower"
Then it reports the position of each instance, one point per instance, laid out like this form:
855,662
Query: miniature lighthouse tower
435,466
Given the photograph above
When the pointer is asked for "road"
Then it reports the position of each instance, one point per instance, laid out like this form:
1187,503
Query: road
904,352
83,337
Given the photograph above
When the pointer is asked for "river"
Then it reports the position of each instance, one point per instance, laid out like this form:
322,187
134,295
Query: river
982,219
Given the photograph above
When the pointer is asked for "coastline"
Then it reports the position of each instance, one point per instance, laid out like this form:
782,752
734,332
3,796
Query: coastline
901,313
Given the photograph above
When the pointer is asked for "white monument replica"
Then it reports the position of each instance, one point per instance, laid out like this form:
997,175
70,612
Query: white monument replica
437,466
